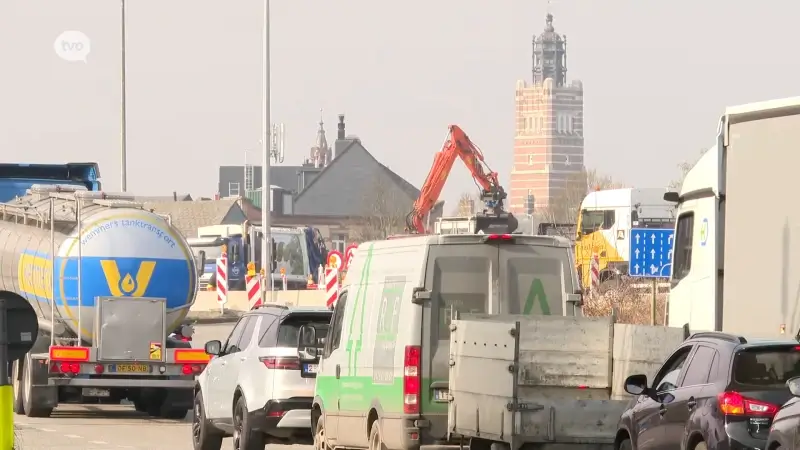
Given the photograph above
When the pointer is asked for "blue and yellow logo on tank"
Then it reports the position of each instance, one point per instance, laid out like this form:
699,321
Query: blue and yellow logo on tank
120,256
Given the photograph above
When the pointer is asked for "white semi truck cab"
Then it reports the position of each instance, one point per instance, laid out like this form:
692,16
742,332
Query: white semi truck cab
736,257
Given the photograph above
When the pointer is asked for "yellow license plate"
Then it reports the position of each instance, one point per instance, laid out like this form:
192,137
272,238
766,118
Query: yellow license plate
129,368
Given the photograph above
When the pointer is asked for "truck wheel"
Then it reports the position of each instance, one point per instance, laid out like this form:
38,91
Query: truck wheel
172,413
140,406
28,397
204,435
19,406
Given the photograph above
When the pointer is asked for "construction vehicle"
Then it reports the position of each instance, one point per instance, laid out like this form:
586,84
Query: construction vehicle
604,226
458,145
736,254
109,282
206,251
297,250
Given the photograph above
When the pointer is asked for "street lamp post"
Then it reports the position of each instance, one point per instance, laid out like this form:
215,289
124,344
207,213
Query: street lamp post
266,247
123,110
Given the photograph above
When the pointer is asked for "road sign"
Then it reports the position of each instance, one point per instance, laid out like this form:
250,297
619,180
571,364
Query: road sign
651,252
349,252
21,327
335,259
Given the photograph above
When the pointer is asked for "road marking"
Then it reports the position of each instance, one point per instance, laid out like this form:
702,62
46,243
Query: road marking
98,442
73,436
47,430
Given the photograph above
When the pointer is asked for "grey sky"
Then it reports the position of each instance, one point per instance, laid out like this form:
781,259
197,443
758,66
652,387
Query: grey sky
656,76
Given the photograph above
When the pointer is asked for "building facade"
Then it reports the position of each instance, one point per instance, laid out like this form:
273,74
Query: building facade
548,142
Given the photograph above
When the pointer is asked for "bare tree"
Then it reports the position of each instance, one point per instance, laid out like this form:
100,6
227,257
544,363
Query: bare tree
466,205
564,207
684,168
384,211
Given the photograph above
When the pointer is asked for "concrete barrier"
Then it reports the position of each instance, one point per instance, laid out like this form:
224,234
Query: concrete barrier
206,301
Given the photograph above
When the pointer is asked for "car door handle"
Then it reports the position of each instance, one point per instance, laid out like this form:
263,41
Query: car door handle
662,410
338,371
691,403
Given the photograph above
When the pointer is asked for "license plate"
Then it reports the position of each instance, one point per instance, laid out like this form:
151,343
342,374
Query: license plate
129,368
310,368
92,392
441,395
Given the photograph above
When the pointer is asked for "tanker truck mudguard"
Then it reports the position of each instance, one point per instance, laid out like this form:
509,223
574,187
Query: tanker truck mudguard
109,281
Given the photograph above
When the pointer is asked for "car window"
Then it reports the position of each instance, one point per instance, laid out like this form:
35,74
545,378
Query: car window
460,284
231,345
247,334
699,367
289,329
268,331
335,330
667,378
766,366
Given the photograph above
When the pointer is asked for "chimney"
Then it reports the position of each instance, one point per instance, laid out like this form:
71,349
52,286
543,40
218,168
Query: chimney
340,134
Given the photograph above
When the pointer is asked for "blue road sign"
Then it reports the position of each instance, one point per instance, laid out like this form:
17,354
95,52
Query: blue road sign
651,252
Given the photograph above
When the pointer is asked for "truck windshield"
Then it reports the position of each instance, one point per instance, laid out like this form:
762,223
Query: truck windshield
289,253
212,252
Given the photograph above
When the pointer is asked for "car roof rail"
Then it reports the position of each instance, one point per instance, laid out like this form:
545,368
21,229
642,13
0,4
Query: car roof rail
720,335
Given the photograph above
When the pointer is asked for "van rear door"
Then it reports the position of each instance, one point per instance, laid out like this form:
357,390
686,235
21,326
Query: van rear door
461,277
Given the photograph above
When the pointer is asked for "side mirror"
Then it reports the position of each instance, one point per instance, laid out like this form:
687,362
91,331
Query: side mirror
213,348
187,330
307,343
794,386
636,384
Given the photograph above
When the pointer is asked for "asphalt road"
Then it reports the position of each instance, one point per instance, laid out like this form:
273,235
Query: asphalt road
89,427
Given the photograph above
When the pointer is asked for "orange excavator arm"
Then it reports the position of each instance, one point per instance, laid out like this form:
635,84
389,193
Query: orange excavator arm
456,145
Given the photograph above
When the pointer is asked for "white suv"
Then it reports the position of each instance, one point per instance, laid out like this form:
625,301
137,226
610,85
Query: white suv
255,387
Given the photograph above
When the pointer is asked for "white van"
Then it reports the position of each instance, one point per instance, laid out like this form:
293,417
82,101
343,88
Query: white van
382,377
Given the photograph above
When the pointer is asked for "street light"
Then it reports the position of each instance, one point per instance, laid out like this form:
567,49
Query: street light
123,106
266,248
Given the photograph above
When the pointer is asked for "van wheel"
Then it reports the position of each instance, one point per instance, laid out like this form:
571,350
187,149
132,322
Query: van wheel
319,434
375,438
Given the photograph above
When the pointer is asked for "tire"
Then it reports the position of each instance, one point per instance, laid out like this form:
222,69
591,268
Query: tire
244,438
140,405
319,434
626,444
375,437
31,410
19,405
204,435
173,414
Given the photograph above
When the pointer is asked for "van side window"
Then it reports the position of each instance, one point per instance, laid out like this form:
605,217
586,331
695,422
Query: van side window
459,284
334,337
535,286
683,246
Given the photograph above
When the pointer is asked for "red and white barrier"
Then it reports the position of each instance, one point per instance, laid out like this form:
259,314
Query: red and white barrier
253,288
332,286
222,280
595,272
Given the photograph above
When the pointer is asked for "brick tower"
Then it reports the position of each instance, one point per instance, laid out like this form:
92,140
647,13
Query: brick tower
548,141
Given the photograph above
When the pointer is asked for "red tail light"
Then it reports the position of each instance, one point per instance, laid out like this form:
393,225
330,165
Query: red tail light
499,237
67,368
281,362
412,379
192,369
734,404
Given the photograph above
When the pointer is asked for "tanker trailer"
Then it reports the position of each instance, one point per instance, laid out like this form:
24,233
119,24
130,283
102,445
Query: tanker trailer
109,281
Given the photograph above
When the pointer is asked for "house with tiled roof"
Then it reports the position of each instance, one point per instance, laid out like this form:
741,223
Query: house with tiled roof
343,190
188,216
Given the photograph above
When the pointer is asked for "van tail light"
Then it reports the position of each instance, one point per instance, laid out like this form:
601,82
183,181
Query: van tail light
498,237
412,379
735,404
281,362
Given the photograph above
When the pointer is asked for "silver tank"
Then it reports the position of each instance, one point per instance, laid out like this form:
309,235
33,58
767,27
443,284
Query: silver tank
100,245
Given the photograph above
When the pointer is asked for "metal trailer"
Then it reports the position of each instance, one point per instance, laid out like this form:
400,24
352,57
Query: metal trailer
109,281
557,382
